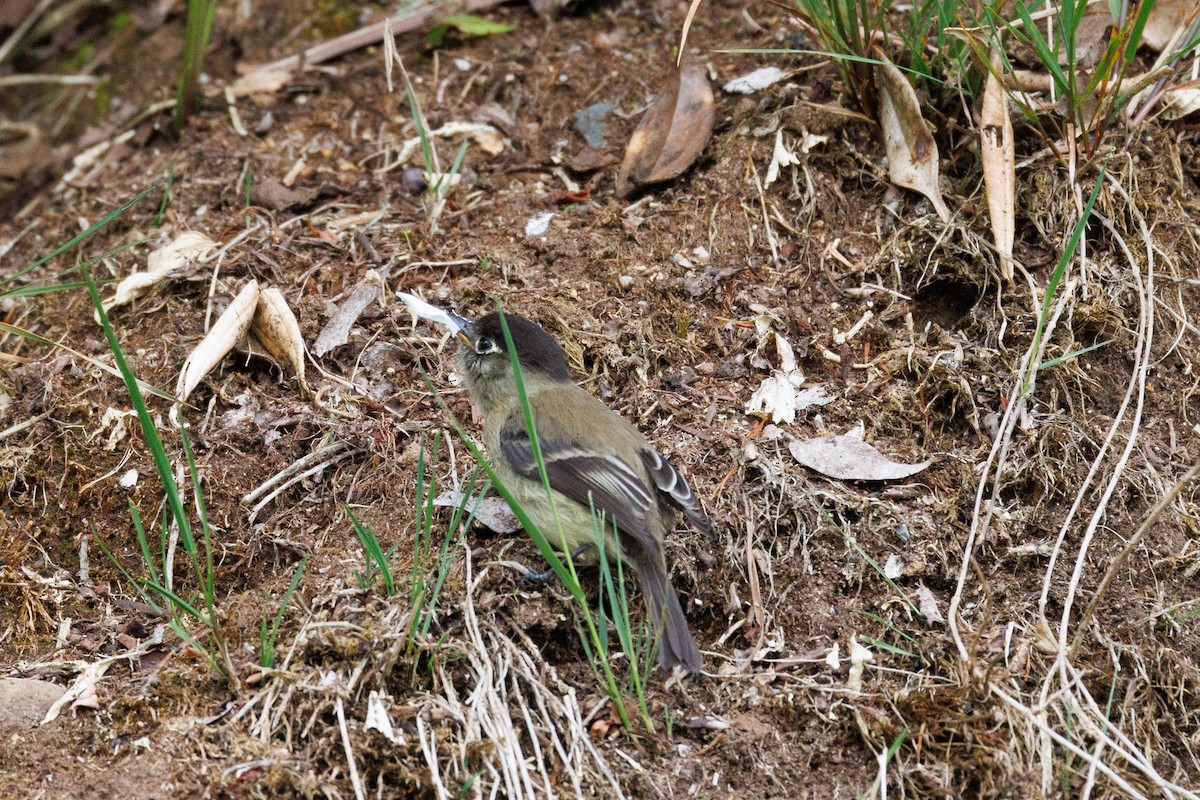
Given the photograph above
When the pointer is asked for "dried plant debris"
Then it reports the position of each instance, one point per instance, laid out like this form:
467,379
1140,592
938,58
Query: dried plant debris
672,133
256,316
998,153
337,331
911,150
225,334
184,249
276,327
849,458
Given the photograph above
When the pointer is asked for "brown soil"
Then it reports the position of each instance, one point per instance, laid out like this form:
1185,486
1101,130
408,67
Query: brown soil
664,334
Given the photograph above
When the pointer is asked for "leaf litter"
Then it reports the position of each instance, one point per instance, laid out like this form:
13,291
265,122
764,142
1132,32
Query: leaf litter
915,373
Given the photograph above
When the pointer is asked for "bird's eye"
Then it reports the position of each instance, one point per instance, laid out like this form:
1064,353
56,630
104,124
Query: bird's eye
484,345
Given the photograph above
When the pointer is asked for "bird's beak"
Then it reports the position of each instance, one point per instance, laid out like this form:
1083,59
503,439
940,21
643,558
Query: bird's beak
462,329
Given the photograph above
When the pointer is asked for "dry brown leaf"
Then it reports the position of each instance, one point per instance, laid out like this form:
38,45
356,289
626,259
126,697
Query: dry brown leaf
230,327
999,168
912,152
672,133
276,327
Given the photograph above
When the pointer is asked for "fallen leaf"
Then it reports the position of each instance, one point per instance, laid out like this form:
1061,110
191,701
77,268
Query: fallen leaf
911,150
224,335
270,193
337,331
849,458
1181,101
491,511
590,159
379,720
999,167
859,657
672,133
1168,19
833,659
782,157
488,138
755,81
929,605
185,248
276,327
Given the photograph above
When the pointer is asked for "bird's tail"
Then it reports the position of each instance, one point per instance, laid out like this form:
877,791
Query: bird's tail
676,645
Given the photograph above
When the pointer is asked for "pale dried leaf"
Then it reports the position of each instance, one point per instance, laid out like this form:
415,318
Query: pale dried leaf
782,157
911,150
850,459
775,398
229,328
261,81
1181,101
185,248
276,327
672,133
999,169
1168,19
929,605
894,568
379,720
833,659
754,81
487,137
859,658
337,331
491,511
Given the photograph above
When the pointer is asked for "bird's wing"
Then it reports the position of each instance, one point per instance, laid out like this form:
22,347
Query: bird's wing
672,484
613,486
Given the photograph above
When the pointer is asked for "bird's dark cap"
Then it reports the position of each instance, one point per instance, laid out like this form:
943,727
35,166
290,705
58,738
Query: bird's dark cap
535,349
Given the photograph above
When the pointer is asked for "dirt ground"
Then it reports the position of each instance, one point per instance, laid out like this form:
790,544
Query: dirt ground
904,321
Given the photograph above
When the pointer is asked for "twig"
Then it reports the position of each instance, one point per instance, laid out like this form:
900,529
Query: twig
354,781
403,22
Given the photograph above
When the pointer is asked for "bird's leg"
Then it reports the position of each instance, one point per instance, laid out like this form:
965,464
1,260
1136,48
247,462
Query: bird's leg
536,578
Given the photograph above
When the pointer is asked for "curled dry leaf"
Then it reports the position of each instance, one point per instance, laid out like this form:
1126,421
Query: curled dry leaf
672,133
912,152
276,327
229,328
849,458
170,258
999,166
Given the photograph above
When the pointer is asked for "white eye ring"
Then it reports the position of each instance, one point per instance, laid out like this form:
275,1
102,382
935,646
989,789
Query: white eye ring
484,346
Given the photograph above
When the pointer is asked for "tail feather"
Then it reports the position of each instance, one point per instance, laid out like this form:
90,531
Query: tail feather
676,645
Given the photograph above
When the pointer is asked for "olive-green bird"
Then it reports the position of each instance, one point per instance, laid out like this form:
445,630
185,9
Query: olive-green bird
590,453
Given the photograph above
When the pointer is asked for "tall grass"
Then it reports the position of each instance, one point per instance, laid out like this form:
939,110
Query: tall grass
158,589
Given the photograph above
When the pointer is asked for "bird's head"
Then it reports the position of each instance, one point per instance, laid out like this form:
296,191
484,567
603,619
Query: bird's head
487,367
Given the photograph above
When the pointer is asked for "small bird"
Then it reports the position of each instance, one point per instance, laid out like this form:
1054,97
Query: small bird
590,454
